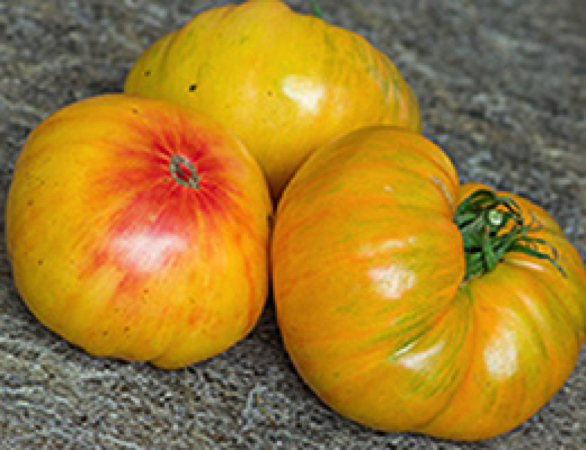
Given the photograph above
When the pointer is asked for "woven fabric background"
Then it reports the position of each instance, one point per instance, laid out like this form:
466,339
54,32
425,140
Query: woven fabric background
502,87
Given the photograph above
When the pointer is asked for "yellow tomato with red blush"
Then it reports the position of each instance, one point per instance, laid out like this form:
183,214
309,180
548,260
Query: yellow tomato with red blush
138,229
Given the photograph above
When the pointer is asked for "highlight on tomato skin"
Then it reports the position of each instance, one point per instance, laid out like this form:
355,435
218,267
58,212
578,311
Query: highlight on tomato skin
137,229
392,306
284,82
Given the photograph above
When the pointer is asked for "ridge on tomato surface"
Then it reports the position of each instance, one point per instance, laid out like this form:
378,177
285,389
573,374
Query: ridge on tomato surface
138,229
409,302
285,83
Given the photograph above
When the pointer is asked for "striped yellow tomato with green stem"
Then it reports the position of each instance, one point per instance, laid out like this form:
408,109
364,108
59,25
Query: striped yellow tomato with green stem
409,302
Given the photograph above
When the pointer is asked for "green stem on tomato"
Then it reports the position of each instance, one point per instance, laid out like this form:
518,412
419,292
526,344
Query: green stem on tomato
316,9
492,226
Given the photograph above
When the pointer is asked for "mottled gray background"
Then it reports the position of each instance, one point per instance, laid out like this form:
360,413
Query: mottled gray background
502,86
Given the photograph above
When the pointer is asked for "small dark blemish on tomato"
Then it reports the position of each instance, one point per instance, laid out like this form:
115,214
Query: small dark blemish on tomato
147,73
30,203
192,87
270,93
134,110
126,329
40,262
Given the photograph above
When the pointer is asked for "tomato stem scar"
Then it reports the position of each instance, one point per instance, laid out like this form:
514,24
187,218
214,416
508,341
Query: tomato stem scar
183,171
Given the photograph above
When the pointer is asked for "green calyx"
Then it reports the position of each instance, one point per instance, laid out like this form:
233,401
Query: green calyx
493,226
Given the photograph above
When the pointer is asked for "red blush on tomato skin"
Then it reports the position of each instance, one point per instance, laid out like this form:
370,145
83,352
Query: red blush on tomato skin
147,161
156,216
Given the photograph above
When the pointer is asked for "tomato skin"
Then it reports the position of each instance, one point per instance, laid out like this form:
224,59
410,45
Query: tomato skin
285,83
121,257
375,312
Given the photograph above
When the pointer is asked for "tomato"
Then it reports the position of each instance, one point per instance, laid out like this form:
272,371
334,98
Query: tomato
137,229
408,302
284,82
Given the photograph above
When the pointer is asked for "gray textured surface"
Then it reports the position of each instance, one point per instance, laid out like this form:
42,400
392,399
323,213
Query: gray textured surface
502,85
